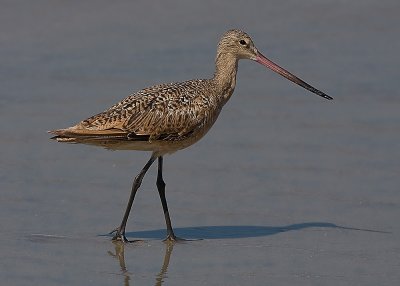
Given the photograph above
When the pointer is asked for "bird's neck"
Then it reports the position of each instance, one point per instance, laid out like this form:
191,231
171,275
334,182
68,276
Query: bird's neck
225,74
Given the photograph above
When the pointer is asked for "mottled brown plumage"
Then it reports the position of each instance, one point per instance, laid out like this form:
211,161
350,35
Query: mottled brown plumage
168,117
162,118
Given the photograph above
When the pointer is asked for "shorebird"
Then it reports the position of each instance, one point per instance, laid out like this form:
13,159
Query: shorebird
169,117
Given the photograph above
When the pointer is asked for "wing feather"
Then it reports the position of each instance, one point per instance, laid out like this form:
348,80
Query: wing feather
160,112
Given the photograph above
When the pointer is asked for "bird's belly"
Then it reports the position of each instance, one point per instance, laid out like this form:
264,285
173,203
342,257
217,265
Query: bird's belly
167,145
161,147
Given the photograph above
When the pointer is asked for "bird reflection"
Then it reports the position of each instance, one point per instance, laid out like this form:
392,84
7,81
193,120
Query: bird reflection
169,246
120,255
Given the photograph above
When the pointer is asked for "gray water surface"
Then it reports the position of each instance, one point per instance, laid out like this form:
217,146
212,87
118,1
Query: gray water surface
286,189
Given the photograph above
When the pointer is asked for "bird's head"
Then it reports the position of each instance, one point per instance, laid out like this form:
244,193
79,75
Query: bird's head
237,45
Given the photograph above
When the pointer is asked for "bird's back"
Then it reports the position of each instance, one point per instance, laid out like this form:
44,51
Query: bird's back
170,115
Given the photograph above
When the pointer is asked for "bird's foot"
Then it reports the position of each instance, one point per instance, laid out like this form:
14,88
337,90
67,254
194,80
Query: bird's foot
172,238
120,236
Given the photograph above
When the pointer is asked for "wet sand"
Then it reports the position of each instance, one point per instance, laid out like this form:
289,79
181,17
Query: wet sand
286,189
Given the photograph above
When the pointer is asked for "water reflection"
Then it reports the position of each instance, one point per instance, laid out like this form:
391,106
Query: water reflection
120,255
119,248
169,246
213,232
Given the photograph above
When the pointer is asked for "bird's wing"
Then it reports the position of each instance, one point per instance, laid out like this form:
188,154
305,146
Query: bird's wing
165,111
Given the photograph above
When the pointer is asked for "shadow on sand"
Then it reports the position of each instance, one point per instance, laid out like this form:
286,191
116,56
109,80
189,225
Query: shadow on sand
231,232
208,232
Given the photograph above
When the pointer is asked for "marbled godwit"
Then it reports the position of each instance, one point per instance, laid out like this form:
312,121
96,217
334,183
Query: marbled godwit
168,117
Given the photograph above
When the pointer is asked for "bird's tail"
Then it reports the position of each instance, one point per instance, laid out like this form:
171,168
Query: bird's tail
72,135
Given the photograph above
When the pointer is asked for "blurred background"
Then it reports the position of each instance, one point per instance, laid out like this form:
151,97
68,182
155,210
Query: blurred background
276,189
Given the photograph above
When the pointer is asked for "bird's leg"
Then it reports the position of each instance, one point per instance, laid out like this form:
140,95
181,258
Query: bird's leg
120,231
161,191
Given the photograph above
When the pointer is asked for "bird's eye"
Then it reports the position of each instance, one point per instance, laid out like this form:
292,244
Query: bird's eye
243,42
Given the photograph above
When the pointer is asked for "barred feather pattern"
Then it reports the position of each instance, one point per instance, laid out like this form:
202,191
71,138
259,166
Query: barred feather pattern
163,112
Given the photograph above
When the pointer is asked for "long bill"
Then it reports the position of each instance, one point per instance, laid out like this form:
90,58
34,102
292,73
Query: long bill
271,65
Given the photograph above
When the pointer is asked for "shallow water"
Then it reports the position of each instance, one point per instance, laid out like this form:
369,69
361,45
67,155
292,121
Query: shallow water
286,189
